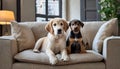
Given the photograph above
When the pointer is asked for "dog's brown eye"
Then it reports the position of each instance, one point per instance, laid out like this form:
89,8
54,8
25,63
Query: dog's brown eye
54,24
61,24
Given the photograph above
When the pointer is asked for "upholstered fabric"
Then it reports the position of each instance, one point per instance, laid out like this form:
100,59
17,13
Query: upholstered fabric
24,36
13,44
30,56
38,28
106,30
8,48
111,50
96,65
89,31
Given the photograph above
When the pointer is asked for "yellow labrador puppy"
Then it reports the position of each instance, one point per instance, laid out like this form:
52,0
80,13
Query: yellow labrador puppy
55,42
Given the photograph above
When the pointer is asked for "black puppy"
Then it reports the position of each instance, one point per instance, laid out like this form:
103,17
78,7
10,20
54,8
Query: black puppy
74,41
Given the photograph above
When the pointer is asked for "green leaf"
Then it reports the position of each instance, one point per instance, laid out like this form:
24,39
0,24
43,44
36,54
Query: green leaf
109,8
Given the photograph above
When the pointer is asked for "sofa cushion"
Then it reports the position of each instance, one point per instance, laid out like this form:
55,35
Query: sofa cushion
38,28
24,36
30,56
106,30
89,31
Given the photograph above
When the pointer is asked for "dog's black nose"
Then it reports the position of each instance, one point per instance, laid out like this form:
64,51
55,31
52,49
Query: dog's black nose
76,28
59,31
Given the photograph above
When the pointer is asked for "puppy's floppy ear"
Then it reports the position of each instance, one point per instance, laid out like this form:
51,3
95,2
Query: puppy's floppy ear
65,25
70,23
81,23
49,27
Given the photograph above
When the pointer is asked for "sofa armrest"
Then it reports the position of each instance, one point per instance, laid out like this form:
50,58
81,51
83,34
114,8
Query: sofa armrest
8,48
111,52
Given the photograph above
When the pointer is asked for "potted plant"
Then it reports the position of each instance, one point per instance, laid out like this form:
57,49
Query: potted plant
109,9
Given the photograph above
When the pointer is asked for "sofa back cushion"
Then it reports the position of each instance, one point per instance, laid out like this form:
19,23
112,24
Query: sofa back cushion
89,31
106,30
24,36
38,29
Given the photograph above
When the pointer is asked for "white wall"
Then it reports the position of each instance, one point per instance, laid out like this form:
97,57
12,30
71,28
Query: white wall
72,9
64,9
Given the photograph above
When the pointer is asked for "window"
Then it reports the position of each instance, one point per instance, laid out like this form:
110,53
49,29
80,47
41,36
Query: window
89,10
47,9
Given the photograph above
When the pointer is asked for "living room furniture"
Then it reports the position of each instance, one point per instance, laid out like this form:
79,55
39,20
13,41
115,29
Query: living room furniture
5,18
13,58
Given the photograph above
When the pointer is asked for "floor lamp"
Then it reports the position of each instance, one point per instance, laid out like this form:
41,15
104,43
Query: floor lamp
5,18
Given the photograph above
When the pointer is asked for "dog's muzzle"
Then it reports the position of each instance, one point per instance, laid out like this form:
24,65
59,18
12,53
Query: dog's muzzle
59,31
76,29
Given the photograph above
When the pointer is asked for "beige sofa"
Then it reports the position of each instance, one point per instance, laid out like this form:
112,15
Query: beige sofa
12,58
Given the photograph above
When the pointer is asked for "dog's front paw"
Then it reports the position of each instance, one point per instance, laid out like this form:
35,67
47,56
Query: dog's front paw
53,60
65,58
36,51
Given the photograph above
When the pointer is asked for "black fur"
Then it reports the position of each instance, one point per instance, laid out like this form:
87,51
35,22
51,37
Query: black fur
67,42
75,47
73,35
75,20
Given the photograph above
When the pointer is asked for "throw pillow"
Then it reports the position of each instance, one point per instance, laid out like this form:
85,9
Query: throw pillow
106,30
24,36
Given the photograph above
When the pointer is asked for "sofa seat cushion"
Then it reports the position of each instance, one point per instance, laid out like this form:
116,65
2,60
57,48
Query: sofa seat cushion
30,56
